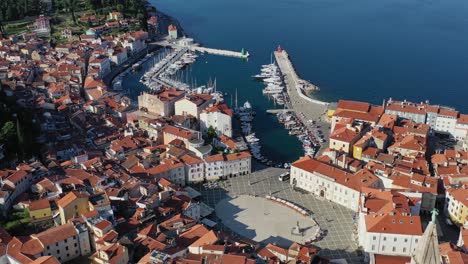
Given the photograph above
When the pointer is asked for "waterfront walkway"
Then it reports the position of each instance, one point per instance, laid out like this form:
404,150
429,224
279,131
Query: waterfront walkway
196,47
310,108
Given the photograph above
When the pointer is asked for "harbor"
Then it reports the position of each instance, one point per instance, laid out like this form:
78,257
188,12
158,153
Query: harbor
285,88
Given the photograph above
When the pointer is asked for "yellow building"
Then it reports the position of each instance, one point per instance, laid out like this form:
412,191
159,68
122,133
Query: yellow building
72,205
40,211
457,205
360,145
343,139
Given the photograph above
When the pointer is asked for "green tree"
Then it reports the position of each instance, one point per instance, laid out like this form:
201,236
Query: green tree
72,5
210,134
7,133
20,135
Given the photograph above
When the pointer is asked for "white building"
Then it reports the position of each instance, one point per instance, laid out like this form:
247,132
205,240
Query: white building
219,117
331,183
446,121
214,167
18,182
237,164
171,169
194,168
64,242
386,225
461,128
193,104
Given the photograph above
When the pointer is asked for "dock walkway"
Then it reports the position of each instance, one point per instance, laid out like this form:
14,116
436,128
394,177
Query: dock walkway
196,47
287,69
305,107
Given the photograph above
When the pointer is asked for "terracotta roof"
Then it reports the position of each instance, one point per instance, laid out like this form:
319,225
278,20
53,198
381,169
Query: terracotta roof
238,156
179,132
384,259
207,239
463,119
221,108
460,195
197,99
353,105
103,224
214,158
448,112
70,197
344,134
189,159
45,260
15,177
39,204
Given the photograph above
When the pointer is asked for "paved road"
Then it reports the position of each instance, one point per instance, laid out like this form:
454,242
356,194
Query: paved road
336,219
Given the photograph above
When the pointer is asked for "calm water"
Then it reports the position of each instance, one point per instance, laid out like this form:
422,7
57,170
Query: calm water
362,50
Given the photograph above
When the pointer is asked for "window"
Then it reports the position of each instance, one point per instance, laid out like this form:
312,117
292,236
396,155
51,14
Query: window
58,251
385,239
404,250
395,239
56,244
66,248
383,248
65,240
76,245
406,240
416,240
374,238
393,249
373,247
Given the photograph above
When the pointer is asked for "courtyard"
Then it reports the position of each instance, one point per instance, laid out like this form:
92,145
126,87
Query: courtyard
339,221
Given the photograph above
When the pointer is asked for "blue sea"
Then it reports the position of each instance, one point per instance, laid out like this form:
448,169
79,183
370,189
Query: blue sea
360,50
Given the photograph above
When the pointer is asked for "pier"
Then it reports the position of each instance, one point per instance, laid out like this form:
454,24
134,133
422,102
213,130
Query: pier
306,108
196,47
294,84
220,52
276,111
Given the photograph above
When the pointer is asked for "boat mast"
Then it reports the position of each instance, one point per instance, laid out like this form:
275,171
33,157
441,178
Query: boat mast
236,99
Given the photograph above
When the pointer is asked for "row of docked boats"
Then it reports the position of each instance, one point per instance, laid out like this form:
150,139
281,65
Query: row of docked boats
165,65
310,141
117,83
270,75
246,115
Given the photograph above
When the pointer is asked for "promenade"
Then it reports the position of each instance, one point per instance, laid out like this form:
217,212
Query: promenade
305,107
196,47
311,108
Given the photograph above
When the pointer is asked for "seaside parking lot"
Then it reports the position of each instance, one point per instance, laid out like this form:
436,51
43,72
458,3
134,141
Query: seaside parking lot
337,244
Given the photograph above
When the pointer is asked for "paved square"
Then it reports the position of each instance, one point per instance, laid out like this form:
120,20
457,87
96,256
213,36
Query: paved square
338,243
265,221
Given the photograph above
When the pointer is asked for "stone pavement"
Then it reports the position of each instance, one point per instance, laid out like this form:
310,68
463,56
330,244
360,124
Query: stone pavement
338,243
